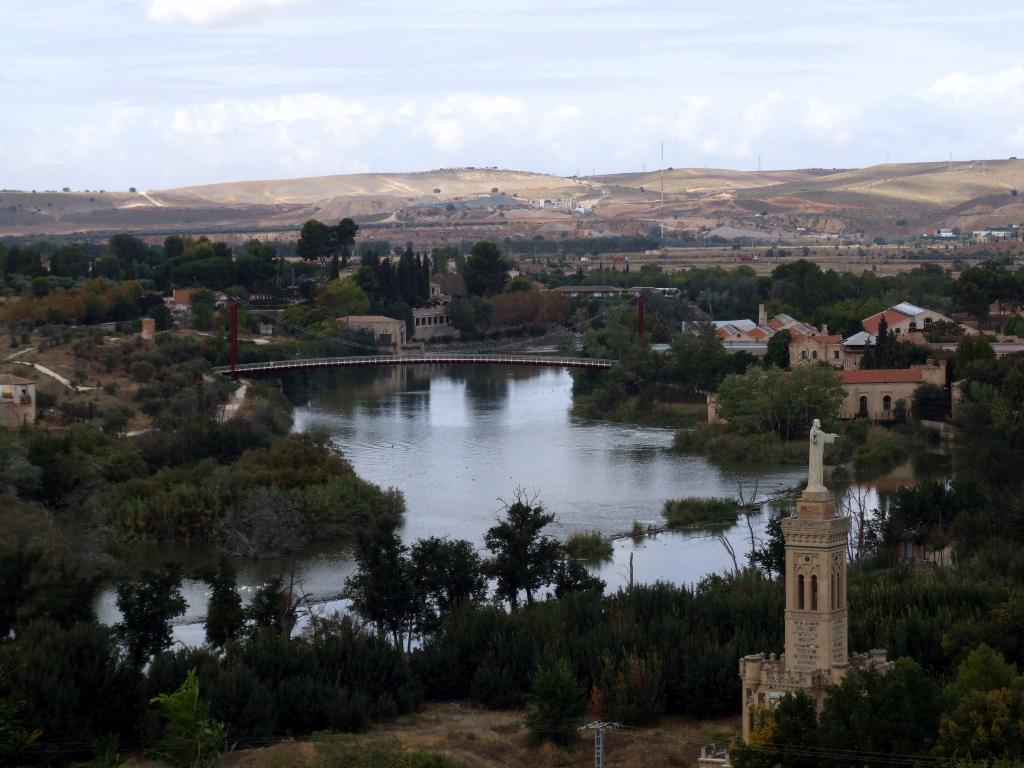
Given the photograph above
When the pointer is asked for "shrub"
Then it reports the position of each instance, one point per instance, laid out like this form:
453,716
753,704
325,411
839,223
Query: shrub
692,512
556,704
192,739
589,546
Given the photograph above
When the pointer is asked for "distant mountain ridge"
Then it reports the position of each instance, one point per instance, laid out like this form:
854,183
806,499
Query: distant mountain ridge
893,200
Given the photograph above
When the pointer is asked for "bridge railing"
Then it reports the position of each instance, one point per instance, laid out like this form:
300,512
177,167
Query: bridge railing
341,362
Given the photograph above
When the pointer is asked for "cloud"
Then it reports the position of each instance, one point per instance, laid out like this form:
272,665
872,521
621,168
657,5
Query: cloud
209,13
349,122
963,90
703,124
831,123
450,119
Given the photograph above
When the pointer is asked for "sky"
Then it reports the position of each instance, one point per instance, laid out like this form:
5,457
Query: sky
164,93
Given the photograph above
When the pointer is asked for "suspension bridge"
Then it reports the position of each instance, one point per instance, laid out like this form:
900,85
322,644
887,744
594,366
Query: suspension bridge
236,369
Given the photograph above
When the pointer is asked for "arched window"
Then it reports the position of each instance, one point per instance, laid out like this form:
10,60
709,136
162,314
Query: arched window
814,355
814,593
863,412
887,403
800,592
833,597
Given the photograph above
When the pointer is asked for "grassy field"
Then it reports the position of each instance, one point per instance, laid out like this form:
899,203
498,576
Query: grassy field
481,738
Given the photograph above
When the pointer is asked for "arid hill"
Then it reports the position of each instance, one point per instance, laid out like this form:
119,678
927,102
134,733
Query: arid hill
892,200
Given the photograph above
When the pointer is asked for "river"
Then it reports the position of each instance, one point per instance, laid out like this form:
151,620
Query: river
456,440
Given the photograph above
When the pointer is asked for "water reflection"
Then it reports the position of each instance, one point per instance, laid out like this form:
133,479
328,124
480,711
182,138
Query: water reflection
456,440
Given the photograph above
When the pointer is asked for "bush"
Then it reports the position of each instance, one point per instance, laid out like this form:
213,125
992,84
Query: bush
192,738
589,546
556,704
632,688
701,513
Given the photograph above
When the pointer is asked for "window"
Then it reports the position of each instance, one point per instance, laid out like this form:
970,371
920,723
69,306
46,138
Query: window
814,355
913,325
887,403
835,355
927,321
803,355
814,593
800,592
863,406
832,590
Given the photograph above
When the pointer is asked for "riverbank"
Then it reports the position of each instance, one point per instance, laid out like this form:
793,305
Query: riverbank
643,413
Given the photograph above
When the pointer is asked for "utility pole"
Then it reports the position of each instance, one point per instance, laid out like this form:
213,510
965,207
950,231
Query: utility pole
661,215
599,727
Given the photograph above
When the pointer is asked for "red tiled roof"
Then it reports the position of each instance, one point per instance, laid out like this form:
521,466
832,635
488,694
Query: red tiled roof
891,318
883,376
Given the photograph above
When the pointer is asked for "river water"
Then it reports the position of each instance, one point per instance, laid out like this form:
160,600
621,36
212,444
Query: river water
456,440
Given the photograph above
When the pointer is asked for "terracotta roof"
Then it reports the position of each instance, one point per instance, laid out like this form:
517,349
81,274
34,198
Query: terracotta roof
11,379
891,318
883,376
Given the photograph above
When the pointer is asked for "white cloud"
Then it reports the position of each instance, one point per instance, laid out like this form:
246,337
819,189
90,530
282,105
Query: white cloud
832,123
349,122
703,124
205,13
960,89
452,118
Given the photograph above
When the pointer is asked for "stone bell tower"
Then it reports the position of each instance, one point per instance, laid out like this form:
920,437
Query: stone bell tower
816,621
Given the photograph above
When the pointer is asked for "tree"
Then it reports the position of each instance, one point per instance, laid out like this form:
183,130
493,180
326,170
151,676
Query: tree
147,607
770,557
192,739
343,238
486,271
771,400
524,559
314,241
983,670
778,350
446,574
224,614
382,588
345,297
556,704
882,714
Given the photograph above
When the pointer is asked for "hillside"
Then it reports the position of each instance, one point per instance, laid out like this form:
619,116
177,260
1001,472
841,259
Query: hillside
430,207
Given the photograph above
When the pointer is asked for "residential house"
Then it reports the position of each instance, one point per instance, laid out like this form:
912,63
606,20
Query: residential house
17,401
876,394
904,318
816,348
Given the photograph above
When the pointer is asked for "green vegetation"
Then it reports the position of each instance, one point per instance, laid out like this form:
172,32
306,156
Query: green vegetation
339,752
701,513
589,547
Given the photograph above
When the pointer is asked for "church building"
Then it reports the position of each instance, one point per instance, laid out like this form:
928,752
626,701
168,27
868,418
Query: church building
816,613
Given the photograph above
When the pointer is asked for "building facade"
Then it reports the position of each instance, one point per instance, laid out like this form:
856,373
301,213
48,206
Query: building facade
387,332
432,322
877,394
17,401
816,654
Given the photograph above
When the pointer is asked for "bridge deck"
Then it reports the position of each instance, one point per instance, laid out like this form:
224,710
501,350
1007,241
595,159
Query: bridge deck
346,362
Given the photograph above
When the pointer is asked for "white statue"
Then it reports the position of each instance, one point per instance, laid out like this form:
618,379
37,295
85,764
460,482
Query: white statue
815,473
